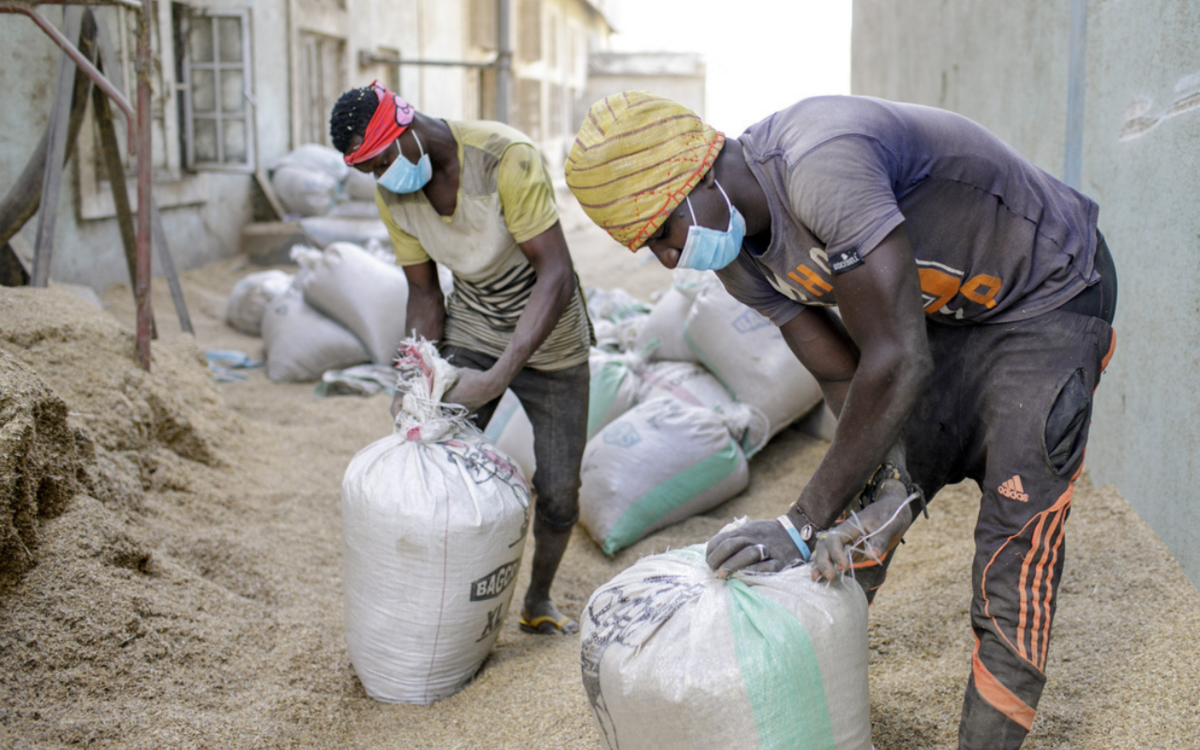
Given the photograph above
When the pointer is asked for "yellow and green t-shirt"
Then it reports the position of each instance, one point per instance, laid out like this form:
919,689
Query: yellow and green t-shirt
505,197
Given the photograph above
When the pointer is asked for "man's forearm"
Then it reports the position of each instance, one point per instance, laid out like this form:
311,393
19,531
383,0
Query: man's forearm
549,298
870,423
424,315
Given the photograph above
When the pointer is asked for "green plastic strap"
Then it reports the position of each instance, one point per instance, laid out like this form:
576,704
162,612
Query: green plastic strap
781,673
603,391
669,495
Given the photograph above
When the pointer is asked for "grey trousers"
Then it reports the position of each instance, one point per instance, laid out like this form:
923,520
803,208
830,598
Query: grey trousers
556,402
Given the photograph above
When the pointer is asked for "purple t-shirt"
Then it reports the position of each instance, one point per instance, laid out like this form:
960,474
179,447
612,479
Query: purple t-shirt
995,238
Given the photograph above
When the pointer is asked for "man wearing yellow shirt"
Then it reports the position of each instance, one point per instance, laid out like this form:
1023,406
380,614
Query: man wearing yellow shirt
476,197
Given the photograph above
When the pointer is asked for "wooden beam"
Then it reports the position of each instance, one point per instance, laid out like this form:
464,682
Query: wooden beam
111,151
168,263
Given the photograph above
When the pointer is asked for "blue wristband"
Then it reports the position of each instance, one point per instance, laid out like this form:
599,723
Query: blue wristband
790,528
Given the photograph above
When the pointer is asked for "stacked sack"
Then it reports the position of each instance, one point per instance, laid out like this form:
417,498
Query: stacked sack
345,306
434,521
747,353
333,202
676,658
682,394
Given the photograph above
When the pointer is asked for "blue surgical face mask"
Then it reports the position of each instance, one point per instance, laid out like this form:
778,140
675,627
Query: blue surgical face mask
405,177
712,249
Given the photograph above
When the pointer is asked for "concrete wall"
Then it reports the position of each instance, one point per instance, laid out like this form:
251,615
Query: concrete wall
1006,65
202,215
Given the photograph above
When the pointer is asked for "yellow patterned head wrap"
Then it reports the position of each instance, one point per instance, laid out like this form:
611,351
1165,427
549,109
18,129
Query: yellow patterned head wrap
636,158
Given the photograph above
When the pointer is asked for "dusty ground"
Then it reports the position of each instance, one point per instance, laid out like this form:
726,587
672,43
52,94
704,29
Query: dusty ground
171,575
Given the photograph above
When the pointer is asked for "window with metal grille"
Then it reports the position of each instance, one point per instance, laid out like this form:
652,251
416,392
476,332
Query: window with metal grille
217,88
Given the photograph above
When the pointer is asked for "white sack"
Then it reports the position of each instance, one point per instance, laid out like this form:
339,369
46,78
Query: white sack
621,335
661,335
325,230
356,209
674,658
303,191
433,527
314,156
300,343
512,433
657,464
747,353
616,385
613,305
250,296
365,294
687,381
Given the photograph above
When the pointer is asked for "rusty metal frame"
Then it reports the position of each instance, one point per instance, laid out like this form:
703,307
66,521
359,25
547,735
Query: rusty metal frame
139,137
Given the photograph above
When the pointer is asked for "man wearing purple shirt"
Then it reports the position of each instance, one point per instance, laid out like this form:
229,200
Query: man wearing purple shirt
974,300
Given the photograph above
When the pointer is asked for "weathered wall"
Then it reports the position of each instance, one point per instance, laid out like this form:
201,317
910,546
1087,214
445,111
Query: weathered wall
1006,66
89,251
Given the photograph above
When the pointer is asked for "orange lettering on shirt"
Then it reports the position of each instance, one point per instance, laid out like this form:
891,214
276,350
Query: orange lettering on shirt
815,285
990,285
939,285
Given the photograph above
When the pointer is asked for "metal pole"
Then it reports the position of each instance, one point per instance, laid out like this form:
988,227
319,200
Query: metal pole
503,59
56,149
145,201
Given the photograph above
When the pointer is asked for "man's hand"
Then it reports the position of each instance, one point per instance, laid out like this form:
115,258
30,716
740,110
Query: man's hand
758,546
473,389
868,534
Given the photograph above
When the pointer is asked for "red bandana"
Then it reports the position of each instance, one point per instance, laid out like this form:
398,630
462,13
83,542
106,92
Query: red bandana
391,118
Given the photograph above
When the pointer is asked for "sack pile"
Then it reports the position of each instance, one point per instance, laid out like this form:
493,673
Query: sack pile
344,307
659,463
434,521
249,299
333,202
674,658
683,392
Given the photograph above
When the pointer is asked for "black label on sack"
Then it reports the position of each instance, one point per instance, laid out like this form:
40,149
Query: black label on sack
494,583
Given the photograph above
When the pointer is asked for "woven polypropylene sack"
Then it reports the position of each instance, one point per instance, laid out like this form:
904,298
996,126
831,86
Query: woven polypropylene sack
365,294
615,387
320,158
434,521
674,658
250,296
305,191
747,353
661,335
659,463
300,343
689,382
323,231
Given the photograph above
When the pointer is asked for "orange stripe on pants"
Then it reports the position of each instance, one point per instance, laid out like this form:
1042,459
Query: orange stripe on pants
1000,697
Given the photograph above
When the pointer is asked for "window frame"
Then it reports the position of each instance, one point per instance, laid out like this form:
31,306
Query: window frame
187,66
172,185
